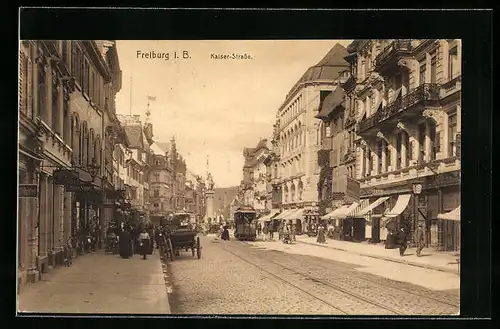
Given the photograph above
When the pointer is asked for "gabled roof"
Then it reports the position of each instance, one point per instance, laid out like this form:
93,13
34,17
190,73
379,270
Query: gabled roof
329,68
332,101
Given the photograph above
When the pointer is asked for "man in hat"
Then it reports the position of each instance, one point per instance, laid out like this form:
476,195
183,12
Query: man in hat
420,238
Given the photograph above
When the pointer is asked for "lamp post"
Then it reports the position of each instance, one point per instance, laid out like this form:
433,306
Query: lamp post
417,190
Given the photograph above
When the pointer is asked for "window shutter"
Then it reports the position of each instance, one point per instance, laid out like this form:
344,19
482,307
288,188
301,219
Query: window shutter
22,81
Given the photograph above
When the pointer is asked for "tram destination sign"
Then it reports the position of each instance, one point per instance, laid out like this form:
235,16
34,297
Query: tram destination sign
28,190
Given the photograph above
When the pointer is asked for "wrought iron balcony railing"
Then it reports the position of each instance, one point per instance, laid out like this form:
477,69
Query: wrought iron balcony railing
425,92
396,47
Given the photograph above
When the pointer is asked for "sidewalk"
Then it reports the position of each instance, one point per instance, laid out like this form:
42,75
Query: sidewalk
97,283
430,259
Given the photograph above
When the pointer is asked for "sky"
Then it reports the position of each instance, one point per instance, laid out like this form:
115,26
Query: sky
213,107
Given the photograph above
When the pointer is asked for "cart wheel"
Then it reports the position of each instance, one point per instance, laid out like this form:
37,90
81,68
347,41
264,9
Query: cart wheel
198,247
171,250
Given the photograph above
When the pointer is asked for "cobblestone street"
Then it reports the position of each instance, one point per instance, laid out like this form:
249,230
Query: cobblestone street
237,278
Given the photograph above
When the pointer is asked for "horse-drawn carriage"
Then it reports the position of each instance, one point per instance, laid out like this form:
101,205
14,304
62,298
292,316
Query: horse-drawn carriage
183,235
245,223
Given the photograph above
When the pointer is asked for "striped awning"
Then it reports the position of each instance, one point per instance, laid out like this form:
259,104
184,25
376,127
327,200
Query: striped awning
342,212
400,206
362,204
372,206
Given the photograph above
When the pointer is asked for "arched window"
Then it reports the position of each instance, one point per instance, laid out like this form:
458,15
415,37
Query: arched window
292,192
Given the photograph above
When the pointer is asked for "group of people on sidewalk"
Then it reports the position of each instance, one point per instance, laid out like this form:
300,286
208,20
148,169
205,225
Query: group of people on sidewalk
132,240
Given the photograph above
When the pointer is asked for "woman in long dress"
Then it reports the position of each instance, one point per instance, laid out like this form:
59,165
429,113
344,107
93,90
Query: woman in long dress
125,243
144,243
321,234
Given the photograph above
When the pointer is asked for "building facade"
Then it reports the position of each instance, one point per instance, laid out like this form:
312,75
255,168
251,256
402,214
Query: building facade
160,182
407,101
299,131
255,178
137,164
64,91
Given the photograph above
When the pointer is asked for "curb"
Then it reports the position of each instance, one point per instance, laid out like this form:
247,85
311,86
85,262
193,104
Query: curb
430,267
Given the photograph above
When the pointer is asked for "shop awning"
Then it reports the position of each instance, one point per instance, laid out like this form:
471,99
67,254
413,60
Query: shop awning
297,214
335,212
284,213
268,216
452,215
342,212
374,205
400,206
362,204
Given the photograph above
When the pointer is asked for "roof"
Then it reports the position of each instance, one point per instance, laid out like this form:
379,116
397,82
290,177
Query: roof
332,101
157,149
134,135
165,146
328,68
353,46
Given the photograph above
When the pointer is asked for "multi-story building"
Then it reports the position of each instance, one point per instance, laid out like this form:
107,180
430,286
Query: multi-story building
255,180
161,183
64,89
138,163
168,183
407,104
299,131
194,194
337,148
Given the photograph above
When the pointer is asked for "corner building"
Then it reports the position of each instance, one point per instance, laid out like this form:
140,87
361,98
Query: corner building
408,111
299,134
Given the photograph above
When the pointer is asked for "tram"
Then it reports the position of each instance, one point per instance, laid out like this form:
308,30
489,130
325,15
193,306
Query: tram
245,223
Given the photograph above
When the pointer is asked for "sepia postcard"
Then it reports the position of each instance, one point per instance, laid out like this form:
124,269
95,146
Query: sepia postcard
256,177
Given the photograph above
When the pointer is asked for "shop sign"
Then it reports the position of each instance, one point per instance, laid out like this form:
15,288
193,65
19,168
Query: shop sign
28,190
66,178
352,189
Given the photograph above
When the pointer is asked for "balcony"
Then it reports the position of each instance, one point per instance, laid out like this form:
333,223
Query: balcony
417,100
392,53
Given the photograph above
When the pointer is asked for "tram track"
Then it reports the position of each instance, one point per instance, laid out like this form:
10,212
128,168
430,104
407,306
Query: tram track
343,276
314,279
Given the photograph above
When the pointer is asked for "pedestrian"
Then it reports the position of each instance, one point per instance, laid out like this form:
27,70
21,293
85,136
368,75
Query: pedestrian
404,242
321,234
221,230
125,243
420,239
225,234
265,231
294,230
144,243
